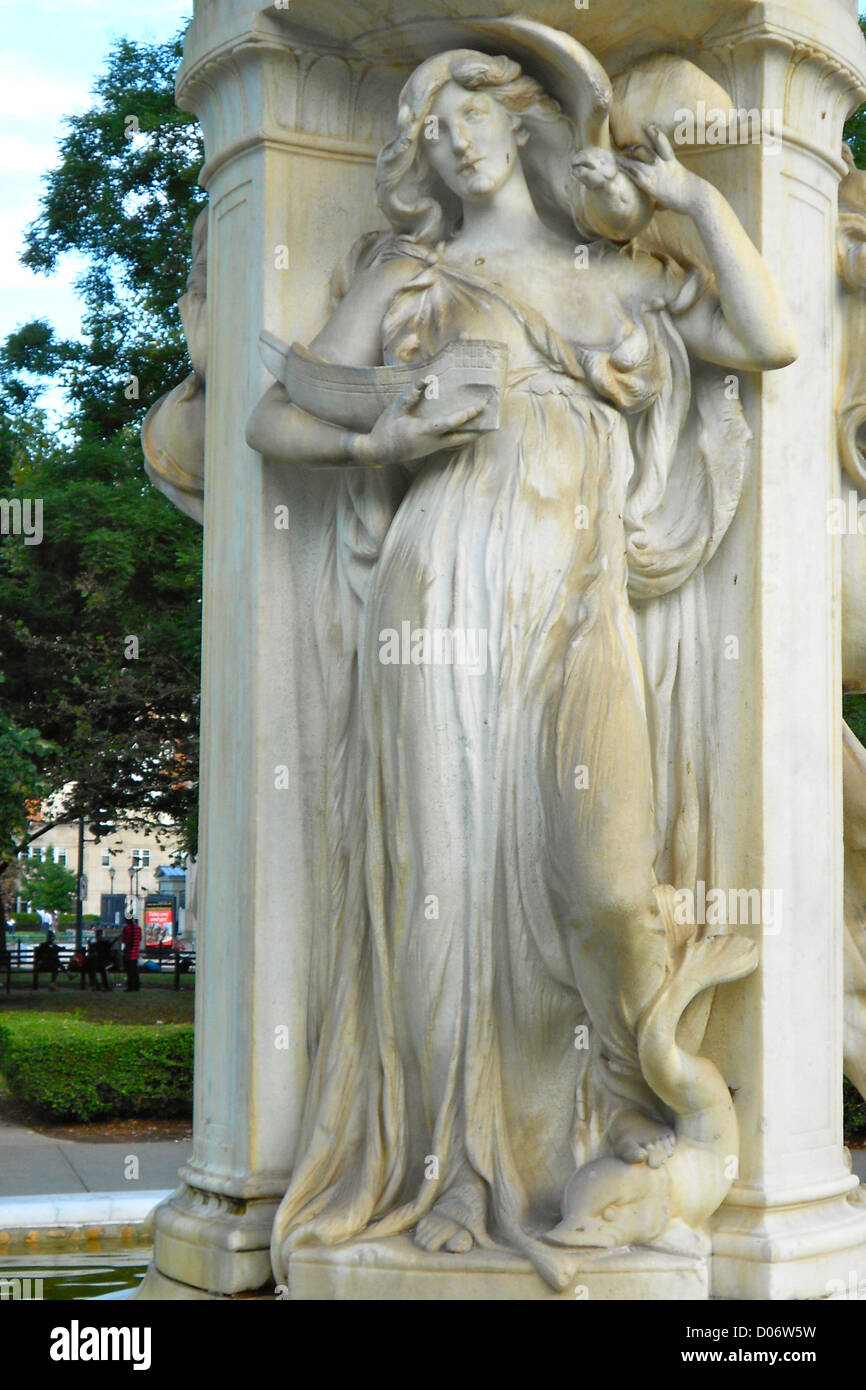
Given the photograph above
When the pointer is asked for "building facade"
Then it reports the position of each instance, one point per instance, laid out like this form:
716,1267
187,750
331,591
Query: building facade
127,862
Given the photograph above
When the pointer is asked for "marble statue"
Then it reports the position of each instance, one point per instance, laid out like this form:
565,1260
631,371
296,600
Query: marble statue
507,1011
172,435
851,408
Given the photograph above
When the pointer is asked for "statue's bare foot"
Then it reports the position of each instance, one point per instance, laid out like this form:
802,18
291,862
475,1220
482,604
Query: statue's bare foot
638,1139
456,1216
435,1232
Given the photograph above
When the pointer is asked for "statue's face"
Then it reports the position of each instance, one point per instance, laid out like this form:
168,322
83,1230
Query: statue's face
472,145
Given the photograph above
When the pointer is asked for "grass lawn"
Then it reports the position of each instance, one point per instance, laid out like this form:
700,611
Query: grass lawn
157,1002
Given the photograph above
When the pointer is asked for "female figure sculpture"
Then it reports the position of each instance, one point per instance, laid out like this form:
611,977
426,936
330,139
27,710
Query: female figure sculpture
496,884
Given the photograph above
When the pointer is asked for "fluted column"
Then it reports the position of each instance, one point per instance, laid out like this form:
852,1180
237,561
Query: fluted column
793,1220
290,136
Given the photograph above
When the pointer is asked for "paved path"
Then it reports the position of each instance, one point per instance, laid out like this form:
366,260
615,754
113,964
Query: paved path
32,1164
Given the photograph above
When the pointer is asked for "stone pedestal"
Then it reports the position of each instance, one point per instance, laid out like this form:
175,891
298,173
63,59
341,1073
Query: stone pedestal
393,1269
294,100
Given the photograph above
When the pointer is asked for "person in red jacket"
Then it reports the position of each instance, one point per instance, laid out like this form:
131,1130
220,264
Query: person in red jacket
131,944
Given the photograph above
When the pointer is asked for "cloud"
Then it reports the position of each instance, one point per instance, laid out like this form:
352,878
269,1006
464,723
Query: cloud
107,10
20,156
14,276
30,95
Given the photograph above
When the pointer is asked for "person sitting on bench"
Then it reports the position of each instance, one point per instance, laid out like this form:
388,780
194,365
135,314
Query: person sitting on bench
46,956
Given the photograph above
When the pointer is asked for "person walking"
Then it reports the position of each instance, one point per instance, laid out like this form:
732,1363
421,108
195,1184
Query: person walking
131,945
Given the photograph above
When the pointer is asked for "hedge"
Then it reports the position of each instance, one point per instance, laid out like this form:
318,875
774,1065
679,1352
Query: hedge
31,921
71,1069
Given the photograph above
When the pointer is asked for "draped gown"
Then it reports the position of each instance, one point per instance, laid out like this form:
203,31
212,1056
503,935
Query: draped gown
494,929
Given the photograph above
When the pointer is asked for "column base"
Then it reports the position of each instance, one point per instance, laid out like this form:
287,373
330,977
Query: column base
396,1269
794,1251
211,1244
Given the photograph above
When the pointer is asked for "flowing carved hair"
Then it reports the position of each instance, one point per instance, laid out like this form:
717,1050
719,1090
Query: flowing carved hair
411,195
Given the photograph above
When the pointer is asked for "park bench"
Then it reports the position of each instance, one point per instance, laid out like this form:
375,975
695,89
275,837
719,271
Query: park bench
21,957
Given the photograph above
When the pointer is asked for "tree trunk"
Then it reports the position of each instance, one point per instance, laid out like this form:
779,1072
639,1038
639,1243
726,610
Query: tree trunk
3,868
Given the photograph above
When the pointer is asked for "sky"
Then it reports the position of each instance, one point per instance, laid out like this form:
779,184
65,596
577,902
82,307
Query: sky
51,51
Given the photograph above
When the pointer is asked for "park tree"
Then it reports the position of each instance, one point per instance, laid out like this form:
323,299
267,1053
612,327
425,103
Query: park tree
100,620
48,885
22,753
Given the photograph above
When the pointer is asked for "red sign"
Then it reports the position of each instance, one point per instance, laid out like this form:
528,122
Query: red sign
159,917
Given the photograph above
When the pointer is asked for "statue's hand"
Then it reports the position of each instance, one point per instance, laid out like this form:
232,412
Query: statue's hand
657,172
402,434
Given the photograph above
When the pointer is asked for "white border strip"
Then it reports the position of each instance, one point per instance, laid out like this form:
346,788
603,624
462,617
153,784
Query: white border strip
77,1209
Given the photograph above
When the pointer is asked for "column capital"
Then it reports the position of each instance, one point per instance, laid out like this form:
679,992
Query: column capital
812,70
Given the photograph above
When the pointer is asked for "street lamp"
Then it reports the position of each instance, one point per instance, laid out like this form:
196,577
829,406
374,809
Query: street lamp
134,871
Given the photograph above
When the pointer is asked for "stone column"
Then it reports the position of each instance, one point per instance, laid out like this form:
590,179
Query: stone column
292,115
291,136
793,1221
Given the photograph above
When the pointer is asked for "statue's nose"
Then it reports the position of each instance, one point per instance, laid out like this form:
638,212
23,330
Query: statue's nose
460,138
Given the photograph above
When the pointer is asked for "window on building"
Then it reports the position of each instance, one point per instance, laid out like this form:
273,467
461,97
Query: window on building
106,859
34,851
60,856
145,858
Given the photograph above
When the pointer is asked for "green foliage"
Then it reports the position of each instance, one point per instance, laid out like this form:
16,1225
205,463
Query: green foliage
854,714
117,561
30,923
853,1112
855,128
70,1069
48,885
124,195
21,753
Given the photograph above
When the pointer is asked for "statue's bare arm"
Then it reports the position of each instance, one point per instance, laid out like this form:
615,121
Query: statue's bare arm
748,326
353,337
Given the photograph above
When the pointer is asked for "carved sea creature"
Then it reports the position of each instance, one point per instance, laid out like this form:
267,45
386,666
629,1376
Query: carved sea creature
611,1203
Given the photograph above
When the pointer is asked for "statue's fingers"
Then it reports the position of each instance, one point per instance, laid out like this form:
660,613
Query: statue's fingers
661,142
640,153
449,423
412,397
637,171
459,438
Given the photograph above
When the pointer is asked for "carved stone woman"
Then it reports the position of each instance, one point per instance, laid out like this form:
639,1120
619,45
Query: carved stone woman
495,895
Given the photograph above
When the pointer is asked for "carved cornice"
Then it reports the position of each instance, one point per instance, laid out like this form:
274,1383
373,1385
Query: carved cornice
265,80
816,84
260,86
